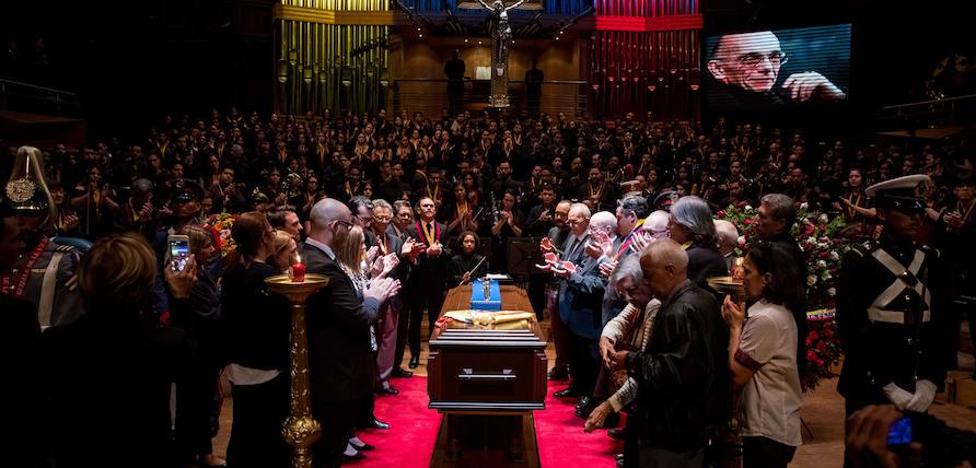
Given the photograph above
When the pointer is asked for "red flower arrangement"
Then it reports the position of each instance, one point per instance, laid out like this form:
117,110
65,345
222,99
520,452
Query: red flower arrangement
816,234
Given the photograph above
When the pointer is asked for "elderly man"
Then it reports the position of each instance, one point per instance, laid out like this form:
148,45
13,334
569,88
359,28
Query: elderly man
340,355
390,314
774,220
746,68
728,240
580,297
683,376
630,330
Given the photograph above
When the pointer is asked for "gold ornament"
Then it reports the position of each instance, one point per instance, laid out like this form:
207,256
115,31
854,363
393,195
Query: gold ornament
20,190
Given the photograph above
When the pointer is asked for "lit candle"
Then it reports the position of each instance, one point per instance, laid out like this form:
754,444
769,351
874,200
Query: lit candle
298,271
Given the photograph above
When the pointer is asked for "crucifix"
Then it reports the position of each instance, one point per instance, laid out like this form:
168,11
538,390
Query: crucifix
500,39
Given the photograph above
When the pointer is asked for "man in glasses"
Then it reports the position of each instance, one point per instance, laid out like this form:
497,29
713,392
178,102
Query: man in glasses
888,307
746,68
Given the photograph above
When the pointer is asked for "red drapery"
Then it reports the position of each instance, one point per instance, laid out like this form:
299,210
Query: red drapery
645,7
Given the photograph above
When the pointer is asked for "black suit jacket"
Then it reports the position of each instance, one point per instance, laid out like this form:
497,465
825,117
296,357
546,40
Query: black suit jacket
340,357
430,272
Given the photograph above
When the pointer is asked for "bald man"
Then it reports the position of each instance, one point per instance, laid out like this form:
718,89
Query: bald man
746,67
341,361
683,376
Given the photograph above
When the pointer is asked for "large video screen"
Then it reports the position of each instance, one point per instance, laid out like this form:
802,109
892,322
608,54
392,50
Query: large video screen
778,69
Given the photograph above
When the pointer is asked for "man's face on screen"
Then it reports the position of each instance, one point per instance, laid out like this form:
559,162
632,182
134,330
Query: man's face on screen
751,61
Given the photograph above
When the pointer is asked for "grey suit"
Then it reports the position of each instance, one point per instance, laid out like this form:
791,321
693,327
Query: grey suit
387,333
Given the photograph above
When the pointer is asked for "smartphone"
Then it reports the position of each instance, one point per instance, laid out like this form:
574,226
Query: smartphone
179,251
900,432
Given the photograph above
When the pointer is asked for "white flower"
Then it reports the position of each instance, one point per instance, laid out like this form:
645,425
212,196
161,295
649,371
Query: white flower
823,218
803,206
821,264
834,256
748,208
831,292
811,280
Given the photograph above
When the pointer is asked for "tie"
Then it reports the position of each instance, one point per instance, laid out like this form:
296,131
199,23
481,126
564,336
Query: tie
430,229
572,250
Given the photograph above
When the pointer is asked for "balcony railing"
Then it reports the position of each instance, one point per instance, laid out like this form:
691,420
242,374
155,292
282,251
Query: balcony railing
430,96
25,97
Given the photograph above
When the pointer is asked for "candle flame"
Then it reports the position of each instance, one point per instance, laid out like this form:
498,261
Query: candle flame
298,258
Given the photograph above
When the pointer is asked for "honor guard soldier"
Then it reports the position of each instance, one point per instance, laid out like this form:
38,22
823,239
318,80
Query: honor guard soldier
44,274
888,313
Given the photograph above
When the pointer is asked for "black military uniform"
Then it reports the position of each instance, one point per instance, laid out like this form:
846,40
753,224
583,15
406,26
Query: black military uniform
887,312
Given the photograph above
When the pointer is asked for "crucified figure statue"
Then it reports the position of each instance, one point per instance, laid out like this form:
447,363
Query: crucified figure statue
499,57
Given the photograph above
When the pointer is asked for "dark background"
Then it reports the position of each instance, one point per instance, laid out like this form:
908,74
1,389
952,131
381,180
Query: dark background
132,62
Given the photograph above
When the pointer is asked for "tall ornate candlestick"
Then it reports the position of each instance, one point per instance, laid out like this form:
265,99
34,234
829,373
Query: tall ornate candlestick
300,429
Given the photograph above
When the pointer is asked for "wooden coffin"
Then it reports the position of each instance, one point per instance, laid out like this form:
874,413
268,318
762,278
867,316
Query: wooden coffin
472,369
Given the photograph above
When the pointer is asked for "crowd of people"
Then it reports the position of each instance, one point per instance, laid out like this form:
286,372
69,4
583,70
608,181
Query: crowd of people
393,210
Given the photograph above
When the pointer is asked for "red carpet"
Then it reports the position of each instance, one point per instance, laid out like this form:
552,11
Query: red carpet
562,441
413,428
410,441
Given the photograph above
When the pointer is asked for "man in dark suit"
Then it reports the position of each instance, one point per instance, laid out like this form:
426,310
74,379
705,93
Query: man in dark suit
340,358
388,243
580,297
428,278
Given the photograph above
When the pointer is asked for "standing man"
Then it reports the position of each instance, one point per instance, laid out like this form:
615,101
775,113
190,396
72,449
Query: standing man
580,296
533,88
888,314
560,335
774,220
454,70
428,278
388,243
339,321
683,375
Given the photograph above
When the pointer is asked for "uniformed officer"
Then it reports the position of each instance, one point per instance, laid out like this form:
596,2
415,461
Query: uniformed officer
44,274
887,310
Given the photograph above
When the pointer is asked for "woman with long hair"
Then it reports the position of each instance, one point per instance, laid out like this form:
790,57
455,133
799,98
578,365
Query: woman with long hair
762,357
256,327
351,256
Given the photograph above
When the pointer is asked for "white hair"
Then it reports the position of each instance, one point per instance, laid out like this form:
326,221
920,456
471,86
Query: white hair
728,235
657,222
580,209
604,220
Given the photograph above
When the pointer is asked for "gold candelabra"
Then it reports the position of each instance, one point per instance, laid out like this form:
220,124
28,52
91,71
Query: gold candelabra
300,430
734,287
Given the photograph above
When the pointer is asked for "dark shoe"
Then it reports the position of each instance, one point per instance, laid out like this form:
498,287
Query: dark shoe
209,461
362,448
400,372
388,390
619,457
414,362
616,433
620,461
559,373
567,392
352,458
582,401
613,419
585,407
377,424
